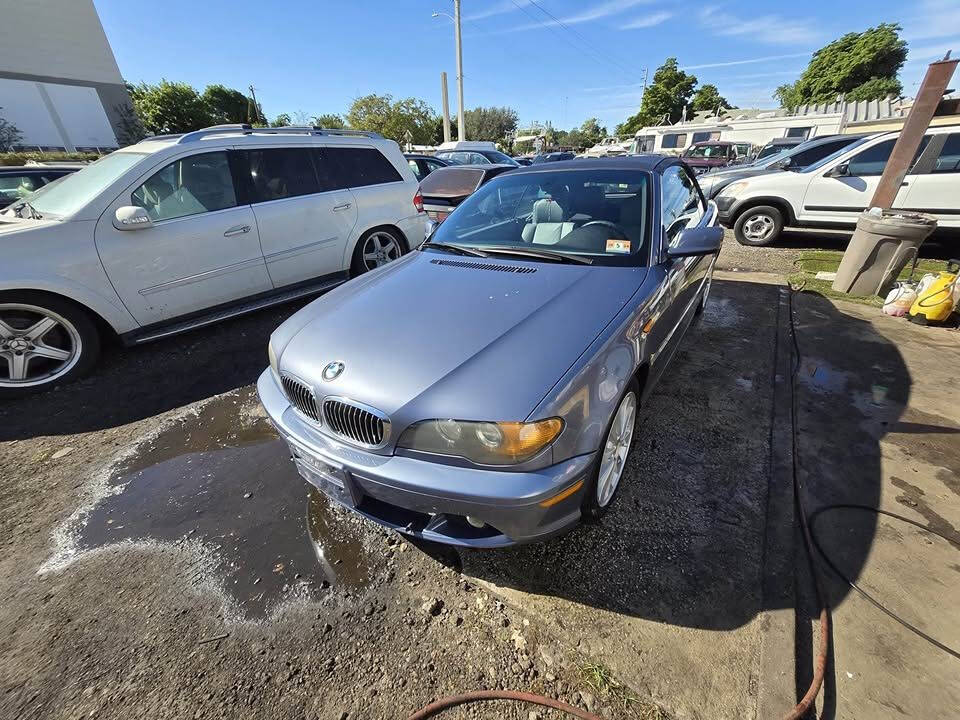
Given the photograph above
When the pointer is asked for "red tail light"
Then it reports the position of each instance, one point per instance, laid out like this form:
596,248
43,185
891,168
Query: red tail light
418,201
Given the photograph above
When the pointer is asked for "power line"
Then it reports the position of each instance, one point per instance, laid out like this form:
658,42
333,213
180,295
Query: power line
609,58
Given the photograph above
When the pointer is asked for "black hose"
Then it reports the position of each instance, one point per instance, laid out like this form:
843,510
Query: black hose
876,603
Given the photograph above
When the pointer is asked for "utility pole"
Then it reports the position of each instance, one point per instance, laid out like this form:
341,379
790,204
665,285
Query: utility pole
461,129
446,107
256,108
644,91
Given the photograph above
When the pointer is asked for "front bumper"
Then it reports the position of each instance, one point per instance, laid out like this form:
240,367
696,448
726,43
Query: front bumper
431,500
725,208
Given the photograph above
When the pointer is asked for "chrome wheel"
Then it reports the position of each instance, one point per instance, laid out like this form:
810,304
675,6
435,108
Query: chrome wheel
37,345
759,227
615,449
379,249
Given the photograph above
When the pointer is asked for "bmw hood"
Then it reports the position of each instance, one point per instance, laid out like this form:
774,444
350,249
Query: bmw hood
441,335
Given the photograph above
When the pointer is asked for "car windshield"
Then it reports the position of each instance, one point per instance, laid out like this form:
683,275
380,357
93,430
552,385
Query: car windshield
833,156
600,214
76,190
495,156
706,151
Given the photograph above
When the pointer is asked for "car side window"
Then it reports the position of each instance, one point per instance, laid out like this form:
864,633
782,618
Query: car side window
279,173
949,158
415,166
359,166
432,165
188,186
873,160
681,204
808,157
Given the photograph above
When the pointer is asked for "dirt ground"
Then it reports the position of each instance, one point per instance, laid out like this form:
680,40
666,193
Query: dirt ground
161,557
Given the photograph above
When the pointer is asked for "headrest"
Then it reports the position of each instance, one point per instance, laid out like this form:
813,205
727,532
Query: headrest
547,210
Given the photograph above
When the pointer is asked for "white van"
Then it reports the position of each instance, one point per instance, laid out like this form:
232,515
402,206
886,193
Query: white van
180,231
835,190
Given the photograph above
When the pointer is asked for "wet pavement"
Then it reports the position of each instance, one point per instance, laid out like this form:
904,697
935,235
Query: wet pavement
223,478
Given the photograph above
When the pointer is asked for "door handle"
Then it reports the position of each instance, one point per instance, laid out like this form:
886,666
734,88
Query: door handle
237,230
904,183
342,206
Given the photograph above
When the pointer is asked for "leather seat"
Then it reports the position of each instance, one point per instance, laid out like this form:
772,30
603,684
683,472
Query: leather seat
547,226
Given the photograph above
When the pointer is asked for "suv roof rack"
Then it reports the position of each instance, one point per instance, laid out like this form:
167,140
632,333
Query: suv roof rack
247,129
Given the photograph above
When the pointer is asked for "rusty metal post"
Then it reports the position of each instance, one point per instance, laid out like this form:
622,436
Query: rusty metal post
918,120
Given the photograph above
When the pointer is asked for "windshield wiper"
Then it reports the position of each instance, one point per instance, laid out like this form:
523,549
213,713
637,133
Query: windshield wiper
541,254
459,249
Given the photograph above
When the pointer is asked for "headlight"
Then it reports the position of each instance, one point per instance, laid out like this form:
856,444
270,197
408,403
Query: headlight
485,443
274,365
733,189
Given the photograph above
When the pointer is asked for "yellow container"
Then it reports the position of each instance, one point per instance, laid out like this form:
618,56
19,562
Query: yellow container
935,303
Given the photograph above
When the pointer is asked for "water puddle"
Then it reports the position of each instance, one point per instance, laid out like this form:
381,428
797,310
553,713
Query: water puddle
721,312
821,377
224,478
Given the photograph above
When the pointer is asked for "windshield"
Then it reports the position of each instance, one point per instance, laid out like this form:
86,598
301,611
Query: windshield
706,151
833,156
74,191
600,214
495,156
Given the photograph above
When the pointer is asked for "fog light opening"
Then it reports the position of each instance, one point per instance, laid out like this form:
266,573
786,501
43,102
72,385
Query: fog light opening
476,522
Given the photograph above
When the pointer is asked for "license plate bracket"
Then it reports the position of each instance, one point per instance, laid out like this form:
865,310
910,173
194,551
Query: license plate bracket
331,479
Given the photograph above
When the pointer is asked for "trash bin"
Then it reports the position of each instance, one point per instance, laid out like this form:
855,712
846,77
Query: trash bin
885,241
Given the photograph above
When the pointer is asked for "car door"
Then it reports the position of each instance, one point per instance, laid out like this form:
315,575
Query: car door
843,189
935,185
681,206
303,218
201,250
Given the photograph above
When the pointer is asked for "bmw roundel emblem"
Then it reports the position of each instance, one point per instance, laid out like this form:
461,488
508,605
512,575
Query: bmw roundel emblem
332,370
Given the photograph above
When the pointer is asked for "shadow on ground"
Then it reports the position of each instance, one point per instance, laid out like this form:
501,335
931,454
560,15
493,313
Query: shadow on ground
136,383
941,246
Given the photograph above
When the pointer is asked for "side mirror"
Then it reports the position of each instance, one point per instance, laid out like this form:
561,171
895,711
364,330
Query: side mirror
696,241
840,170
785,163
131,217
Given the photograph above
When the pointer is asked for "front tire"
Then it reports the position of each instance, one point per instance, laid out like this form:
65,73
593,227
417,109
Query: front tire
758,226
44,341
376,248
612,458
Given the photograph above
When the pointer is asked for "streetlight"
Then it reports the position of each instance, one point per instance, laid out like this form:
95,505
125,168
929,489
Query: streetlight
461,130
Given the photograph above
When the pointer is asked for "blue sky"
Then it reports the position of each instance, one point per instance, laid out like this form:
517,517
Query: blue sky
552,60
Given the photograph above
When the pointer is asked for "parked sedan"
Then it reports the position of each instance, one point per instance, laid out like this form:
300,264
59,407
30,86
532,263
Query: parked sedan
503,409
19,181
446,188
423,165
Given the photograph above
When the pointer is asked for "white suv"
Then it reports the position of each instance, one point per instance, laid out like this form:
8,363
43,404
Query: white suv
180,231
835,190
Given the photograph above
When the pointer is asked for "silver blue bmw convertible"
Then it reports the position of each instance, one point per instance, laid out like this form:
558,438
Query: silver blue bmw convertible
482,390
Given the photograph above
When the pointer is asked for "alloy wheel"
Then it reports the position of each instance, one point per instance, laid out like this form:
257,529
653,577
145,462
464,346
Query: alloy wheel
615,449
758,227
37,345
379,249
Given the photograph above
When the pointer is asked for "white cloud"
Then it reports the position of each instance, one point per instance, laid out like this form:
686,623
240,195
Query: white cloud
937,18
646,21
612,7
772,29
500,8
731,63
934,51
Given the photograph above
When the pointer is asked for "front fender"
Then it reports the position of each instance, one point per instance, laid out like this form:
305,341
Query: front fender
107,307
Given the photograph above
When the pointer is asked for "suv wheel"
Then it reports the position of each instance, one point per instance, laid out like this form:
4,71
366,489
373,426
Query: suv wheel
44,341
375,249
758,226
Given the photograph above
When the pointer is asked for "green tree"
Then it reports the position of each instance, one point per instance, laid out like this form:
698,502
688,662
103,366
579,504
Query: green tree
707,97
329,120
665,99
9,134
860,66
591,133
225,105
282,120
393,119
170,107
490,123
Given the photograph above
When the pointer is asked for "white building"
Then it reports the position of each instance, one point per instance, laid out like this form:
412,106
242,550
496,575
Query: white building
59,81
761,126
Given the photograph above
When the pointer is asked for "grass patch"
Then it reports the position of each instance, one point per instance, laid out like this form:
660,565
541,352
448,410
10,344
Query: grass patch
603,684
811,262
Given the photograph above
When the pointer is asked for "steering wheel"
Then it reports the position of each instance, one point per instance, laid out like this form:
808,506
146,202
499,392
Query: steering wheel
606,223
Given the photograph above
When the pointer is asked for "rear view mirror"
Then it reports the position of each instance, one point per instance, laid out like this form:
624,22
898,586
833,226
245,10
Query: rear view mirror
131,217
696,241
